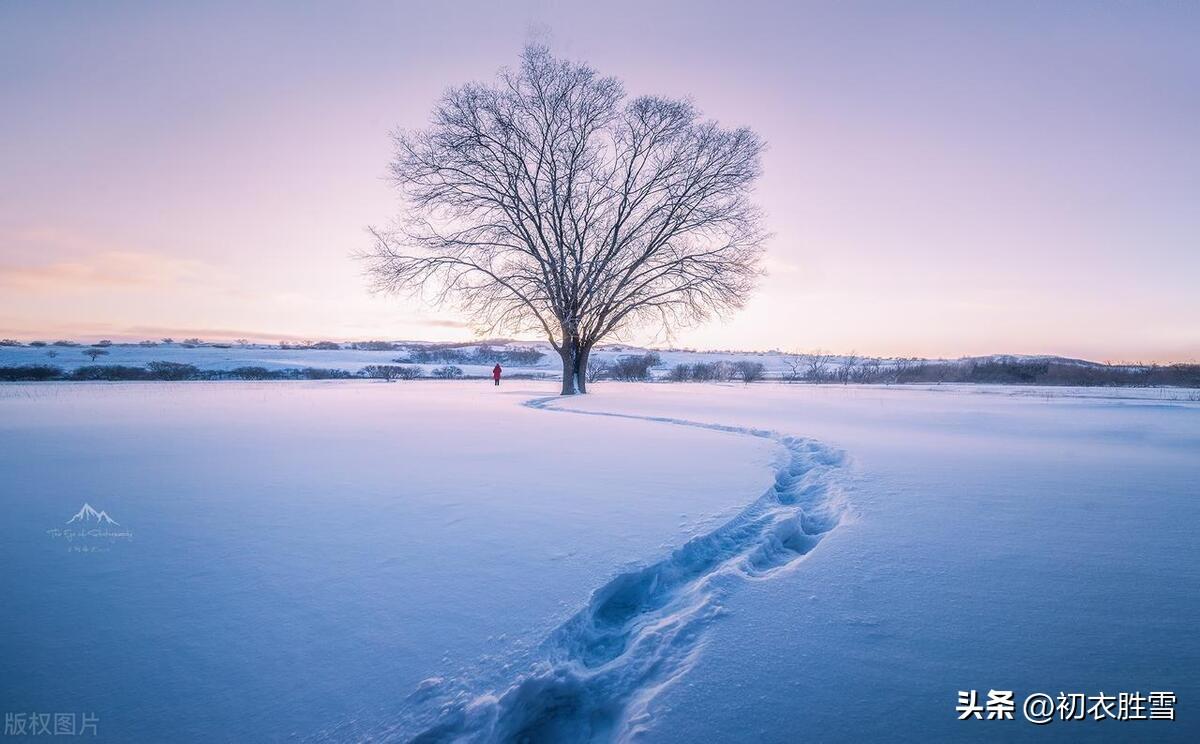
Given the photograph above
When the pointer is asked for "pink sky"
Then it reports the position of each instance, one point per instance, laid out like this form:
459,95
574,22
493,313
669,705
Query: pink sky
943,180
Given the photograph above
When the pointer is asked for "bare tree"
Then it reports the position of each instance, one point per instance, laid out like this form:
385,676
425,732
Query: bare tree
898,368
598,369
845,368
816,366
94,352
795,367
868,371
389,372
548,201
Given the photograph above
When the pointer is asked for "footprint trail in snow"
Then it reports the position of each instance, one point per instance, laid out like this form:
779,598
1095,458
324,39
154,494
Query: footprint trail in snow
594,678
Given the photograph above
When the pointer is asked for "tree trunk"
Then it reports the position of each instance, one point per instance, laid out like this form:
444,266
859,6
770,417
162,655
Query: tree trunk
581,368
568,354
574,367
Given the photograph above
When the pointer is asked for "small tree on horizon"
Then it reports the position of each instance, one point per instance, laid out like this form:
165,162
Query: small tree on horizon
94,352
550,201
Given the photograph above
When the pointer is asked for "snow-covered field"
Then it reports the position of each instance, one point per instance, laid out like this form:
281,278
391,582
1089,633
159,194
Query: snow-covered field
213,358
274,357
348,560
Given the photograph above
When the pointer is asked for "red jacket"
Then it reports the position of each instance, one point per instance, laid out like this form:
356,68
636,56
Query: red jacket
496,372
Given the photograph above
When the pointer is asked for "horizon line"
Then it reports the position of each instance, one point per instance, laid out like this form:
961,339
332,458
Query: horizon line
226,336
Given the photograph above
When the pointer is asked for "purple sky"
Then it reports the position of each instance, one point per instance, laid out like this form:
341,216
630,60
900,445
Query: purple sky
942,179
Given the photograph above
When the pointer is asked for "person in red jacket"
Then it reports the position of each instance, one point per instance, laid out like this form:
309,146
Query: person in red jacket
496,373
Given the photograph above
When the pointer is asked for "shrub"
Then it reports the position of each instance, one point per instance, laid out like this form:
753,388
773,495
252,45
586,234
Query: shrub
321,373
712,371
37,344
524,357
484,354
9,342
65,343
30,373
704,371
749,371
633,367
373,346
680,373
147,342
997,372
93,353
434,354
390,372
325,346
449,372
109,372
598,369
103,342
252,373
172,371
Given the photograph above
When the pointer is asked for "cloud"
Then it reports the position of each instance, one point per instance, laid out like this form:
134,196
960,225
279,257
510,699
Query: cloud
109,269
445,323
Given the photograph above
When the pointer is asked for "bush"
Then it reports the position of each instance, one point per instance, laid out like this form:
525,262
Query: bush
633,367
712,371
30,373
390,372
103,342
9,342
449,372
680,373
65,343
484,354
252,373
325,346
749,371
524,357
373,346
172,371
434,354
704,371
598,369
109,372
320,373
37,344
93,353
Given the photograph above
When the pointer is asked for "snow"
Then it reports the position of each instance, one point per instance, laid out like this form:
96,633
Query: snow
351,559
304,554
1033,543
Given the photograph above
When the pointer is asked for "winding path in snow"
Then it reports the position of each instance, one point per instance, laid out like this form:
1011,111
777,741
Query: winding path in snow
594,677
